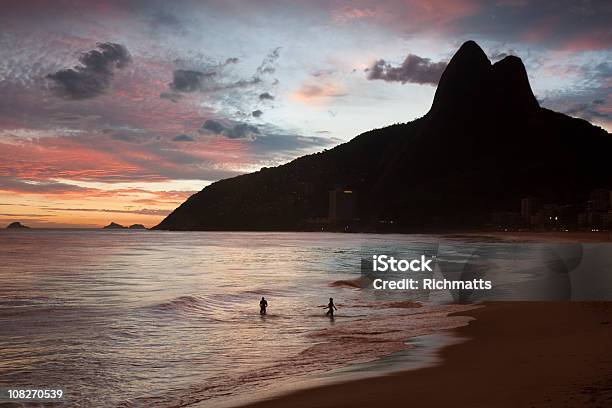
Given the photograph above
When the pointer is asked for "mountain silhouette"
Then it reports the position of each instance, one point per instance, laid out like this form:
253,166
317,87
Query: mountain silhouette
484,144
17,225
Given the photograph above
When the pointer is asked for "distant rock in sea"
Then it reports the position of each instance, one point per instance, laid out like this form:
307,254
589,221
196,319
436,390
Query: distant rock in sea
137,227
16,225
114,225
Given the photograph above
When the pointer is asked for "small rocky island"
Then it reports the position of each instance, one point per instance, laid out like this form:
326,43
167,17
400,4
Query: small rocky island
114,225
17,225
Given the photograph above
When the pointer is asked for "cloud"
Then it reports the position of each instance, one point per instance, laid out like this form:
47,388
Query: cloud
278,145
213,126
316,93
142,211
183,138
235,131
241,130
268,65
184,80
591,111
323,72
37,187
268,143
257,113
187,81
589,99
414,69
93,77
582,105
213,77
266,96
100,158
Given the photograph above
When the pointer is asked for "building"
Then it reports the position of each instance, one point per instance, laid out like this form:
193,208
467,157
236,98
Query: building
529,208
598,208
341,205
600,200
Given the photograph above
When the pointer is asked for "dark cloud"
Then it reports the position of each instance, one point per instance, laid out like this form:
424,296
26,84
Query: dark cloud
124,137
40,187
184,80
163,22
241,131
213,126
276,144
266,96
257,113
143,211
593,111
565,25
234,131
414,69
171,96
183,138
95,73
591,101
214,79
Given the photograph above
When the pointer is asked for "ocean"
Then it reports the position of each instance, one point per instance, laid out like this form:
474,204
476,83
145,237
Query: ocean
170,319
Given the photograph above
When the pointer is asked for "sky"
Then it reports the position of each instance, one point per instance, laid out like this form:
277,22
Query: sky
120,110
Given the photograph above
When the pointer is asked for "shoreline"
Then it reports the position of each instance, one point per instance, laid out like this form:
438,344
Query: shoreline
545,236
517,354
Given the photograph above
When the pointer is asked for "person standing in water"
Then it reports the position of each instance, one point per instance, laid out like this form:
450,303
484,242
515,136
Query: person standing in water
263,304
331,308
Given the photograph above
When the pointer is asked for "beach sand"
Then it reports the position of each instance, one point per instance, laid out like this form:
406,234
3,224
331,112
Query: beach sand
517,354
547,236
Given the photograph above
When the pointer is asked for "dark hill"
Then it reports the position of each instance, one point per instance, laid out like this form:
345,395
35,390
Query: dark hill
484,144
114,225
16,225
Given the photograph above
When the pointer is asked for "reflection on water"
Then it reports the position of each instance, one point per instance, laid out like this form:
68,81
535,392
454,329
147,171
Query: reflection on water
130,318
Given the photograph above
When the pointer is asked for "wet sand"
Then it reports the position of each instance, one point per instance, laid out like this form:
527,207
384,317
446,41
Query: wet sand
601,236
518,354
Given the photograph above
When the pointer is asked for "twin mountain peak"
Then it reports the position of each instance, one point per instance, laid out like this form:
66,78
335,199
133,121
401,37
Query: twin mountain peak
484,144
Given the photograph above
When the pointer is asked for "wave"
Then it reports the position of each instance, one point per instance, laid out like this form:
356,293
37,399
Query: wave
362,340
182,304
349,283
400,304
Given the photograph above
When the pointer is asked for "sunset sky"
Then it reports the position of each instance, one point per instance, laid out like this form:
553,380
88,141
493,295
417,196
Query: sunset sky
119,110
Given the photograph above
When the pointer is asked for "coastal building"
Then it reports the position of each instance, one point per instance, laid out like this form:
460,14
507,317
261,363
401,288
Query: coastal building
341,205
505,220
598,209
529,208
600,200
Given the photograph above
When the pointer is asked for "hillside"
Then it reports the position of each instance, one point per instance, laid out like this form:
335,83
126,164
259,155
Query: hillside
484,144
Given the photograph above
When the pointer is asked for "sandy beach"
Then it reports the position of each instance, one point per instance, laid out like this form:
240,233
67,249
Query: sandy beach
547,236
517,354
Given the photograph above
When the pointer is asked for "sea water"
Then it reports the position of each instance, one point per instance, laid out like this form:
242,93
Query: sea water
148,318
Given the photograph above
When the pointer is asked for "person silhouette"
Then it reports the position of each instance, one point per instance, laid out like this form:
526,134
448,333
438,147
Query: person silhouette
263,304
331,308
